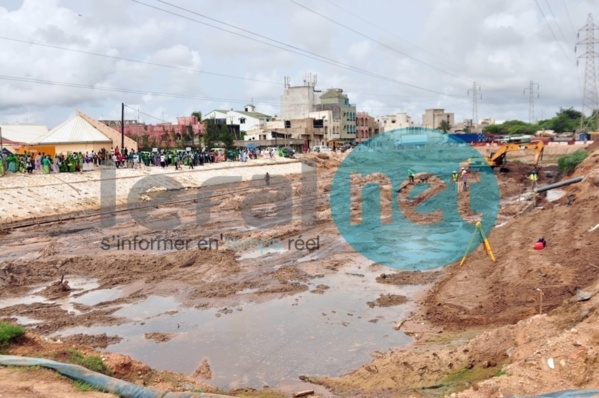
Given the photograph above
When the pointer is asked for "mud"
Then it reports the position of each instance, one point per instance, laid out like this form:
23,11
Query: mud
477,320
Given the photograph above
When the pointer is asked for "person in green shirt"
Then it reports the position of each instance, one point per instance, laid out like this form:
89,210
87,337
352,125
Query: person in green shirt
46,165
411,175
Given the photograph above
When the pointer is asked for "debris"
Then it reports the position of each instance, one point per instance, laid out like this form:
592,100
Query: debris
398,325
594,228
582,296
550,363
303,393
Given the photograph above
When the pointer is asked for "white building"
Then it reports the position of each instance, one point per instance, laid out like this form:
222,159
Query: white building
433,117
392,122
297,102
247,120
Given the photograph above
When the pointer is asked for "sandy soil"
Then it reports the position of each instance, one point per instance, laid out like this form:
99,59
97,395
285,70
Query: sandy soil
35,383
476,323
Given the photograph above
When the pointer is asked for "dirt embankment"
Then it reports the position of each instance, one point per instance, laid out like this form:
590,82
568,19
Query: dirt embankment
479,295
485,336
119,366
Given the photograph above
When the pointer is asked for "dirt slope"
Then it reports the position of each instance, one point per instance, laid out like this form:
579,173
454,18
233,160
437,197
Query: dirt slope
486,338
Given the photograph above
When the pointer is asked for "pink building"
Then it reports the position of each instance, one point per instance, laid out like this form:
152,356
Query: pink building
366,127
188,131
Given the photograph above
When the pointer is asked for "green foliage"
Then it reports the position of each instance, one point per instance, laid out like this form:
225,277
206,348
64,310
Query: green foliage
569,162
516,127
92,362
566,120
145,141
9,332
198,115
217,134
502,372
444,126
227,139
84,387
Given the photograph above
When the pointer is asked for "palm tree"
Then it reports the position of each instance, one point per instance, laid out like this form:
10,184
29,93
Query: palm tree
444,126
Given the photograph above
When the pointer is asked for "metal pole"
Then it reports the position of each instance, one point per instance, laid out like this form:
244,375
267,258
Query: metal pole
122,127
1,146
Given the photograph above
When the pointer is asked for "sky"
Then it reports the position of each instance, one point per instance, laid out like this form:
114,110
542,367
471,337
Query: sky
169,58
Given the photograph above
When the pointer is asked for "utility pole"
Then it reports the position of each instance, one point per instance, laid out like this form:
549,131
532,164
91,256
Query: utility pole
122,127
476,95
589,95
533,89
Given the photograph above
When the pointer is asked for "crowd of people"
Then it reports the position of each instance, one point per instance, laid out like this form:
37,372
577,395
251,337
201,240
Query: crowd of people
40,162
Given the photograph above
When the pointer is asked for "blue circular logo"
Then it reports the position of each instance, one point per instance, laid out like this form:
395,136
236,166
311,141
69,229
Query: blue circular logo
410,198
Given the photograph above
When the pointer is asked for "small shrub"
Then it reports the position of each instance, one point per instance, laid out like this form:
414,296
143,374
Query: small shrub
9,332
83,386
92,362
569,162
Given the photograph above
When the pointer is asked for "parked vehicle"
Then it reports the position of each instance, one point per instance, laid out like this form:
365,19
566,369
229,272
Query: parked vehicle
321,148
288,152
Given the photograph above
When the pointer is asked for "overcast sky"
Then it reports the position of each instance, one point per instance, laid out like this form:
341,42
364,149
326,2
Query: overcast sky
170,58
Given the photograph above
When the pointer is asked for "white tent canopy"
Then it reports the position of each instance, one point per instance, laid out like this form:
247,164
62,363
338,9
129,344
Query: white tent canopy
23,133
73,131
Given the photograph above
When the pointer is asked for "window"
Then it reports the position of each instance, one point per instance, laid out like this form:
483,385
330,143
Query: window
241,120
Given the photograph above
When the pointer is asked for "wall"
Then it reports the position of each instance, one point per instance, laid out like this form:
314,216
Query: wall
298,102
113,135
82,147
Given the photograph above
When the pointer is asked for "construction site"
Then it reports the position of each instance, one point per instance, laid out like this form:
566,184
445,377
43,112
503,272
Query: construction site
174,291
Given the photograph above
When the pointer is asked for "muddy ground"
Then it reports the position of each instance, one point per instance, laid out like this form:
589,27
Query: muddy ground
477,321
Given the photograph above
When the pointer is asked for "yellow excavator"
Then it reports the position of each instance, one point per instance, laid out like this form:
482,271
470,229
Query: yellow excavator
497,158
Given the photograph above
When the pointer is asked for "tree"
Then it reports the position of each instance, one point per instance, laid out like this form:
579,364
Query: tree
227,137
494,129
212,135
198,115
145,141
444,126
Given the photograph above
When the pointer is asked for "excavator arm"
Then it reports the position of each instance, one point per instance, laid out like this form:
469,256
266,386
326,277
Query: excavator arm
498,157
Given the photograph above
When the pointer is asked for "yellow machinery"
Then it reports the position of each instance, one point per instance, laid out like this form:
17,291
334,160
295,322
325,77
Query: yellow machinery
497,158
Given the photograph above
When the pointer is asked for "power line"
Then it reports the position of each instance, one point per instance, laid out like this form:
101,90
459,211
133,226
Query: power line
568,14
135,60
556,21
377,26
374,40
285,46
590,100
122,90
551,29
146,114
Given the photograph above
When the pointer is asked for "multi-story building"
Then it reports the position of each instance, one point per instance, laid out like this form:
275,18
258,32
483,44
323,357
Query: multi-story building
397,121
432,118
343,113
311,117
366,127
297,102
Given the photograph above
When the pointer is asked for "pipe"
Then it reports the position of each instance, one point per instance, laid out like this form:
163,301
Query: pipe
558,184
105,383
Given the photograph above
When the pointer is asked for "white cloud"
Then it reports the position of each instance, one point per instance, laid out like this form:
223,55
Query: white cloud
501,44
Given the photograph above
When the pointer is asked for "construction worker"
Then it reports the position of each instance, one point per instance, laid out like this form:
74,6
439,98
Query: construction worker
455,177
533,176
411,175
